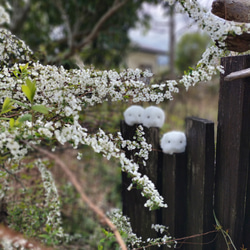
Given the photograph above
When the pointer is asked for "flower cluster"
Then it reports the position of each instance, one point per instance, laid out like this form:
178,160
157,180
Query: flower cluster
54,220
138,143
52,198
123,225
12,48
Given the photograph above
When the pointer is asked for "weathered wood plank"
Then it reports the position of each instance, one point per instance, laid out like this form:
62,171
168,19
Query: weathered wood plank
232,10
233,150
237,11
200,179
174,191
133,202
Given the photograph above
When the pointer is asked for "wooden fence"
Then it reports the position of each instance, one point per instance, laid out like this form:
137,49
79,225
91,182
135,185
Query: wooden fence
194,183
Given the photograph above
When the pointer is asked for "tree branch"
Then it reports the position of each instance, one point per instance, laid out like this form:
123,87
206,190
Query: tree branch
101,215
19,16
115,7
238,75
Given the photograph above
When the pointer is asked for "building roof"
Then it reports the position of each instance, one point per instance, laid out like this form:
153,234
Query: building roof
142,48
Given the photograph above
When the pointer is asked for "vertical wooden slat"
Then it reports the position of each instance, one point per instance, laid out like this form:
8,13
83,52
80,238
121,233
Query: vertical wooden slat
200,179
233,150
133,203
246,229
174,191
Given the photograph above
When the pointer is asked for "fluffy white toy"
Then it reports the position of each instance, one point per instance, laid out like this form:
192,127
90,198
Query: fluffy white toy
153,117
173,142
133,115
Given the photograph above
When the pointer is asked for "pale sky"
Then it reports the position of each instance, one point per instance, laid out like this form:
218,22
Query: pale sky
157,36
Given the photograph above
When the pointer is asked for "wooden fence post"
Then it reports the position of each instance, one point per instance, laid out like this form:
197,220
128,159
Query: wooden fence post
232,207
133,202
200,180
173,174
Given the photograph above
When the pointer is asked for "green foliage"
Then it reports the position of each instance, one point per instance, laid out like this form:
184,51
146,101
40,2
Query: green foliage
7,105
22,72
28,214
108,242
26,117
48,26
29,89
189,50
40,108
224,233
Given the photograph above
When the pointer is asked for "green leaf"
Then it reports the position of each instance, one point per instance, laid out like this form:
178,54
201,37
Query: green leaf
100,247
27,92
31,85
29,89
41,109
22,68
7,105
16,73
26,117
12,122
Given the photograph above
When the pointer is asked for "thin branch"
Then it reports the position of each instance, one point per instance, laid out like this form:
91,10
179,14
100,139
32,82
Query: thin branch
115,7
181,239
238,75
101,215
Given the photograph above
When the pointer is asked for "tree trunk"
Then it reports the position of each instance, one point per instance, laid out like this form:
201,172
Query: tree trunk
172,42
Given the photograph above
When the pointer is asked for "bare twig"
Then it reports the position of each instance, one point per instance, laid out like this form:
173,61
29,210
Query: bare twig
180,239
101,215
19,239
115,7
238,75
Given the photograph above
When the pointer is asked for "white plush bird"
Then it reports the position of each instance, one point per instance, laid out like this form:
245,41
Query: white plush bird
153,117
133,115
173,142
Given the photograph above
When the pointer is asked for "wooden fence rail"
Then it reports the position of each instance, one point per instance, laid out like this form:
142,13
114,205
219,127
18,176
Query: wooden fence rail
194,184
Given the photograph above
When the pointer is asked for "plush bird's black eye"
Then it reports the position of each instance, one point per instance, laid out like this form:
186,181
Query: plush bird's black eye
169,141
148,116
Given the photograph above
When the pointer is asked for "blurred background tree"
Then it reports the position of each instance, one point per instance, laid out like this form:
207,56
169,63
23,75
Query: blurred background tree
189,50
95,30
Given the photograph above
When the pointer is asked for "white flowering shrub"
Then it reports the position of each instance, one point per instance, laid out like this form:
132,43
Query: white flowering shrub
40,104
132,240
